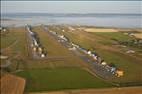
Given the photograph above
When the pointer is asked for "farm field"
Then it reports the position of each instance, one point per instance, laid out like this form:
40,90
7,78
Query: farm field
12,84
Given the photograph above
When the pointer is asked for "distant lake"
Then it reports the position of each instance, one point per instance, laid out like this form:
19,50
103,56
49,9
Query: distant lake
102,20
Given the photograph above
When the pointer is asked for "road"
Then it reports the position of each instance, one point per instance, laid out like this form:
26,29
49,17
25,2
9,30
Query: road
124,90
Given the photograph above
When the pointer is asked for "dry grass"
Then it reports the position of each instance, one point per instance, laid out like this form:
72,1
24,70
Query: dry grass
138,35
100,30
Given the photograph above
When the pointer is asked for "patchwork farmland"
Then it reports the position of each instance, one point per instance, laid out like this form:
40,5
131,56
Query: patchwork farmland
74,58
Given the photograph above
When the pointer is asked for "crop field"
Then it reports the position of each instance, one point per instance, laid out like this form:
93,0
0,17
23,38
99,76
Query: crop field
59,79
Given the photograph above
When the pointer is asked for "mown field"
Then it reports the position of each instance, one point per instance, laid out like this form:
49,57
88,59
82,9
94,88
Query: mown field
59,79
104,44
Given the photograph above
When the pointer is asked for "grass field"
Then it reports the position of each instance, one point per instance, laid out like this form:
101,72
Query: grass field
20,54
7,40
15,41
59,79
50,44
14,45
67,71
48,74
102,43
112,36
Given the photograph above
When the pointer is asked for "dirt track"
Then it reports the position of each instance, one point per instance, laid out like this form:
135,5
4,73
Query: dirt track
125,90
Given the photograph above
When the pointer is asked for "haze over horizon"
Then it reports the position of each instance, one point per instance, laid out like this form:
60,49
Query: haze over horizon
79,7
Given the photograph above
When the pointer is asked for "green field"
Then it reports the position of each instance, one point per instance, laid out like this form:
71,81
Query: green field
112,37
59,79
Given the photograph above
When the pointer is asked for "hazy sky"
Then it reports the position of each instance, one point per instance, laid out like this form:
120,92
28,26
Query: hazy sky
72,6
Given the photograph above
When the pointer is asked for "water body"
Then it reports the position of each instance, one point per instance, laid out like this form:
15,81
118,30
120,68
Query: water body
102,20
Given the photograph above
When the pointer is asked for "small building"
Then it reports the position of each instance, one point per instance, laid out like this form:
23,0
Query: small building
131,34
119,73
113,69
99,59
3,29
32,45
73,48
93,54
89,52
42,55
35,42
71,28
3,57
103,63
95,57
34,49
130,51
39,49
63,30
